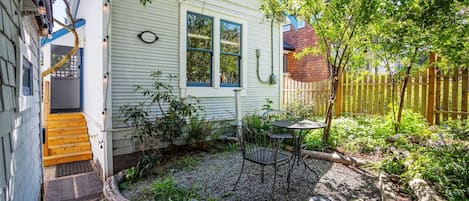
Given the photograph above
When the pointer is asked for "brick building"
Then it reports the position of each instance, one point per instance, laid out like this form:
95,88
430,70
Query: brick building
309,68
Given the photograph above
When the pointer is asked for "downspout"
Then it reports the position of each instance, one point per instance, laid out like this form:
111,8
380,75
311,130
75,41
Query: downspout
273,78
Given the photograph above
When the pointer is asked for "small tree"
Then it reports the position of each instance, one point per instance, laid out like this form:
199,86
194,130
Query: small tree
408,30
342,27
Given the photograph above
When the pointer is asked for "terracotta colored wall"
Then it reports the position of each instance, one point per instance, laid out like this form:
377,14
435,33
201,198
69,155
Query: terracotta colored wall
309,68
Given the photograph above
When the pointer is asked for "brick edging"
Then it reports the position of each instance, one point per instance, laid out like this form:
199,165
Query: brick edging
111,187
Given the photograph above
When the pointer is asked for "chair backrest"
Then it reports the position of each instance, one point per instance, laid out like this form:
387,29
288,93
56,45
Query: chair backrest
253,137
270,116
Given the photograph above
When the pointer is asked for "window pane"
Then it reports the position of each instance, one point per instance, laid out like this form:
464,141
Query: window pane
27,85
230,37
198,67
229,69
199,31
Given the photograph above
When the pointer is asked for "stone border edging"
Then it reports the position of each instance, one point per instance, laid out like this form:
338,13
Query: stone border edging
111,187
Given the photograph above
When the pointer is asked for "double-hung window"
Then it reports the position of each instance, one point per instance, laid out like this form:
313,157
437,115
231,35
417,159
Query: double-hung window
230,53
215,46
199,49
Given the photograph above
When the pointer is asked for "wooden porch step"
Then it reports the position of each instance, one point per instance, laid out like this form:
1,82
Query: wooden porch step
67,131
67,139
67,158
65,124
69,148
64,116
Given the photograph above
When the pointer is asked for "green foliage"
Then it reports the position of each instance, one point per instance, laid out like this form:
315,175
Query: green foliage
363,134
202,133
458,129
446,167
186,163
254,123
166,189
297,107
268,105
171,115
143,168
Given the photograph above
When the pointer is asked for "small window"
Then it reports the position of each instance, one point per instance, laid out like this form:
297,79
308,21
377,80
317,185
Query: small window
230,54
27,86
199,49
286,28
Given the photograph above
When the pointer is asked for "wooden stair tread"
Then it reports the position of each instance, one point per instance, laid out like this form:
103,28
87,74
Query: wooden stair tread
76,144
68,157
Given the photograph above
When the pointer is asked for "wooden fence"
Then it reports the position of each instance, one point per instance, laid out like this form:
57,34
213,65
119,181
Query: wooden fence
311,96
436,94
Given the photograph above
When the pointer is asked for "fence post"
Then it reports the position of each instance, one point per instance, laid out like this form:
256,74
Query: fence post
431,89
338,100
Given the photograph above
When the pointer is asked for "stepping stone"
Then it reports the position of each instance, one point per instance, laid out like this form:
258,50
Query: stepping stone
88,186
60,189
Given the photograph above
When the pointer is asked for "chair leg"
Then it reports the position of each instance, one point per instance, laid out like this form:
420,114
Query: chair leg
262,172
273,185
290,169
239,177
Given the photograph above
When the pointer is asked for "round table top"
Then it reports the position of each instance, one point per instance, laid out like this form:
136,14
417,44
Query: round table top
298,124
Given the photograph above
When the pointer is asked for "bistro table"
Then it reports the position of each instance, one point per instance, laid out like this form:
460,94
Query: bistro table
302,127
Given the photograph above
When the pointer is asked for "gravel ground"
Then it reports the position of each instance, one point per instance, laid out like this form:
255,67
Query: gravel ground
216,174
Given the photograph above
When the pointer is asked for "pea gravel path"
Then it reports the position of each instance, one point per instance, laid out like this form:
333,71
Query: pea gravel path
216,174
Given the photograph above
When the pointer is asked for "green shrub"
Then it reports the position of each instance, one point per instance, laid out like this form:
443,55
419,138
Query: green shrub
457,129
201,132
143,168
355,134
166,189
172,112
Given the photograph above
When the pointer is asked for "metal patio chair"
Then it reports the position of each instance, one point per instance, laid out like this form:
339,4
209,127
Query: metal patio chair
260,148
270,116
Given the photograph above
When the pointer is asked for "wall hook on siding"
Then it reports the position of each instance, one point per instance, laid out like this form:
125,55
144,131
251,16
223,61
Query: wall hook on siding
148,37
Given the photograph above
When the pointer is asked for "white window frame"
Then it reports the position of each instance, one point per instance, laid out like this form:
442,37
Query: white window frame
215,90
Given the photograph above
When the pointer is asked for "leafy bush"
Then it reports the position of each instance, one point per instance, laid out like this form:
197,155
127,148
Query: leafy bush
143,168
165,123
447,167
458,129
359,134
201,132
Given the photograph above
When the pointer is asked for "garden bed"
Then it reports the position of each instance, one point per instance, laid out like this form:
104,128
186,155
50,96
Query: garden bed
211,176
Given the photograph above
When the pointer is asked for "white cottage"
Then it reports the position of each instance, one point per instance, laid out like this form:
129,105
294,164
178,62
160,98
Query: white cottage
212,46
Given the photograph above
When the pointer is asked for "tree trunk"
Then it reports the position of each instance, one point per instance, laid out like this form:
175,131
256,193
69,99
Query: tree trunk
401,101
330,107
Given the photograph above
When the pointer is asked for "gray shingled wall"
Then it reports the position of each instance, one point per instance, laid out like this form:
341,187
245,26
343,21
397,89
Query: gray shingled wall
20,144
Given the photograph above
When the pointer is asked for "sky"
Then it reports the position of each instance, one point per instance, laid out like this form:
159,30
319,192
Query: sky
59,13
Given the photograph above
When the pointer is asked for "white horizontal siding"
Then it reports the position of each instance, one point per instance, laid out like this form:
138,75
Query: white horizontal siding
133,60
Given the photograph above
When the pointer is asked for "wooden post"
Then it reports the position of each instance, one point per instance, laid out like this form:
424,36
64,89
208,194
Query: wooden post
454,94
431,89
464,92
45,114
